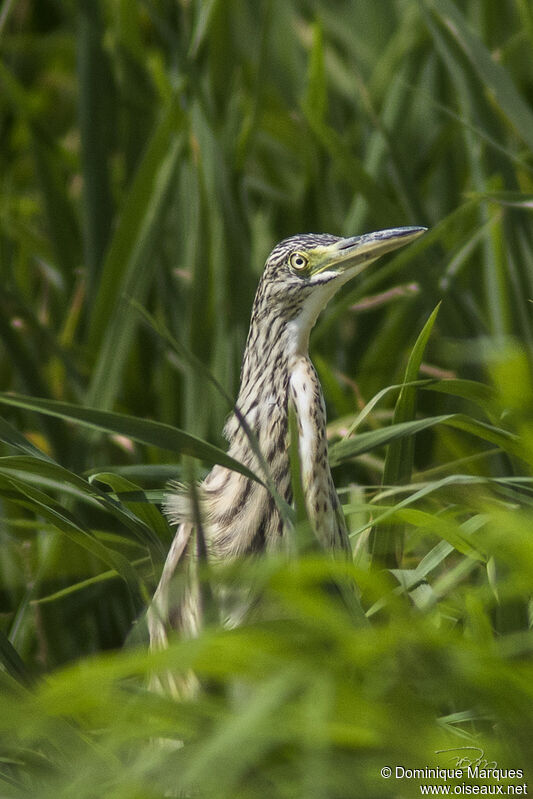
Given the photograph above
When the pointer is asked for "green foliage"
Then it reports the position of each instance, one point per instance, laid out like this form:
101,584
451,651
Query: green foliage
152,153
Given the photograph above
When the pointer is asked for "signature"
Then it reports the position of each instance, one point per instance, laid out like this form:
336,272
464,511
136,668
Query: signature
475,757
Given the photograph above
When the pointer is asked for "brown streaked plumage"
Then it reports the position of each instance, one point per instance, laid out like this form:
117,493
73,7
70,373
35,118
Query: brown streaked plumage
239,515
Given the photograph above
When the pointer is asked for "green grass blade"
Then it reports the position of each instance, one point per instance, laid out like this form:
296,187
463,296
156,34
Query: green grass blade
479,393
132,496
353,170
96,124
365,442
387,543
137,213
128,266
144,431
400,454
11,436
12,662
74,588
40,503
63,224
146,525
492,76
315,100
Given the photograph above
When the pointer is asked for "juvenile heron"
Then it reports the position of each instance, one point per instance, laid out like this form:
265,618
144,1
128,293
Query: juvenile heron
240,515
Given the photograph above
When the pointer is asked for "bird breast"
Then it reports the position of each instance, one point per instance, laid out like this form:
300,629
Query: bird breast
308,403
322,504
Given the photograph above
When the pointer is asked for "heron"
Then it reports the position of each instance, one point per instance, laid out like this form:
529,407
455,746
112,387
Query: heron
240,516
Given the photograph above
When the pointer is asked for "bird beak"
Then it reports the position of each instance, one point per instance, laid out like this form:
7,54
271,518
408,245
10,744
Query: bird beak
349,257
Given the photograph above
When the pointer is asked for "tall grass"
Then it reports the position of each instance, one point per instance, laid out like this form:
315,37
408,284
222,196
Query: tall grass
152,153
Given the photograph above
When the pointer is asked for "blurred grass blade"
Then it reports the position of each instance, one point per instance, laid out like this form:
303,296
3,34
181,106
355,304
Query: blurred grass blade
315,100
50,162
96,123
144,431
12,662
399,460
512,199
352,170
50,475
204,17
492,76
29,367
74,588
507,441
43,505
192,361
229,744
11,436
209,606
62,223
128,266
137,216
387,543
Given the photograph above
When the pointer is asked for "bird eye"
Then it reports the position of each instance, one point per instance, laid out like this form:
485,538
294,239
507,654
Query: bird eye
298,261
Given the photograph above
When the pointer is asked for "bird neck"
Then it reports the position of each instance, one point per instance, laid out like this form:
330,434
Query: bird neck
275,350
276,371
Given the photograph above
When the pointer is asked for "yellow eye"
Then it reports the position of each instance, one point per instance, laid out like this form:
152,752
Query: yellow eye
298,261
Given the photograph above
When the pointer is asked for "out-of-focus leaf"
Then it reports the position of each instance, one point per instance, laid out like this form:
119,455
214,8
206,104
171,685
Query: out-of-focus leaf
387,542
65,593
493,76
96,124
127,266
512,199
10,435
315,101
40,503
12,662
49,475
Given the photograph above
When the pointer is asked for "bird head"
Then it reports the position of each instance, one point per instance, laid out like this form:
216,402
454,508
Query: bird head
303,272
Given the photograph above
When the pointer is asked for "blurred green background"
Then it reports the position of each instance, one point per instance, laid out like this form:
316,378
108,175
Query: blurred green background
152,153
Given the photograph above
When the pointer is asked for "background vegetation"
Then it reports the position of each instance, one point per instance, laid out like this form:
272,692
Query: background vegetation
152,152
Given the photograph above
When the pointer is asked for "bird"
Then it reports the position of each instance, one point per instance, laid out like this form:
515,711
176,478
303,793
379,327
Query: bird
240,516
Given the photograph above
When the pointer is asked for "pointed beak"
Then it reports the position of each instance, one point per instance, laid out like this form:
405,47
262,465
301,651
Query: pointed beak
349,257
